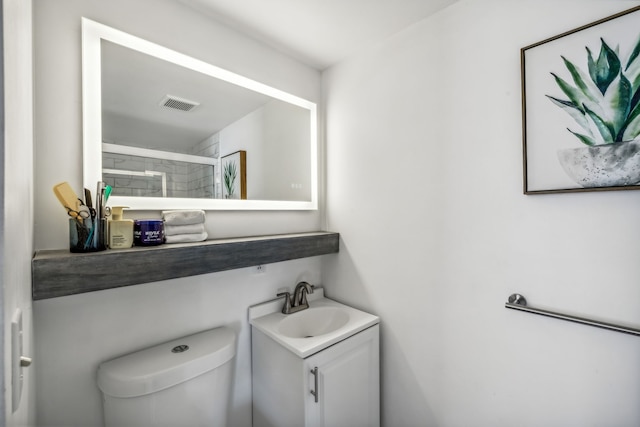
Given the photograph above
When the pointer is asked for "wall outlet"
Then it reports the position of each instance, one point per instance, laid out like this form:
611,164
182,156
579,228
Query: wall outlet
260,269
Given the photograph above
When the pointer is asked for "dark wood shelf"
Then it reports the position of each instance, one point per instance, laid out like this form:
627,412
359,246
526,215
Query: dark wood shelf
58,273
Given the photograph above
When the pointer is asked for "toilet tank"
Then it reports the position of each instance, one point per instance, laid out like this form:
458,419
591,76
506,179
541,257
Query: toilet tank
184,382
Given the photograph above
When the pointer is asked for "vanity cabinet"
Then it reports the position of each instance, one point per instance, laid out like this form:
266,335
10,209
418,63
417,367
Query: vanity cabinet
337,386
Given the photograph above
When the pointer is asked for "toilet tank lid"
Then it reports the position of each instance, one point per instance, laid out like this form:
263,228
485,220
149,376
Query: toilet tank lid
165,365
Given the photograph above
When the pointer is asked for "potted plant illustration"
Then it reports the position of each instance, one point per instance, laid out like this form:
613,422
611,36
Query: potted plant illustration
605,102
230,173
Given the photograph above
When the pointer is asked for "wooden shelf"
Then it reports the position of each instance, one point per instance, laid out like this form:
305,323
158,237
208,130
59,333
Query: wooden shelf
58,273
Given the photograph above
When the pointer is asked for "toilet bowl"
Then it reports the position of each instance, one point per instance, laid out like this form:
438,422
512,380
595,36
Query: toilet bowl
184,382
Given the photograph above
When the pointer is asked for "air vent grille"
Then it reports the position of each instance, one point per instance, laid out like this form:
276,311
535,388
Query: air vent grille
177,103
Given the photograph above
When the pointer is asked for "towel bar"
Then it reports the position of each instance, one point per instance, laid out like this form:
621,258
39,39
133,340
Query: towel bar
518,302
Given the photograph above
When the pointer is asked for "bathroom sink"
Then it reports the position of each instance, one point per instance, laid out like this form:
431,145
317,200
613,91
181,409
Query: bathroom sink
306,332
313,322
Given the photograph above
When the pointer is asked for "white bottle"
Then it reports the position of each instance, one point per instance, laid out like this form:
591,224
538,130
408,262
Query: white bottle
120,230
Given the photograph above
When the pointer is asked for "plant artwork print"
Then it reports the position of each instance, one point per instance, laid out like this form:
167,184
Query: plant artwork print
234,175
603,102
230,173
581,127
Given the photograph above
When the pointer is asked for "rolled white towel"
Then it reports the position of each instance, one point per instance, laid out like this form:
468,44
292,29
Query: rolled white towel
183,217
186,238
173,230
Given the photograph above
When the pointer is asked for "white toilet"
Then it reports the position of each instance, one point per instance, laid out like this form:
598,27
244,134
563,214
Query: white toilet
184,382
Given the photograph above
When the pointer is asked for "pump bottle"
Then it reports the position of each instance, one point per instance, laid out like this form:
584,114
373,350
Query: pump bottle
120,230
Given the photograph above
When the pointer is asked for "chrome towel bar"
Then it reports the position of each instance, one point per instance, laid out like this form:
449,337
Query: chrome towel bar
518,302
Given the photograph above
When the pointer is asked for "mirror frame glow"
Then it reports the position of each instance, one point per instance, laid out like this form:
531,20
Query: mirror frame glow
92,34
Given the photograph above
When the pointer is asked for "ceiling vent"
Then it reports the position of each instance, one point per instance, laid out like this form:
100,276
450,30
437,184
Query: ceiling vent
177,103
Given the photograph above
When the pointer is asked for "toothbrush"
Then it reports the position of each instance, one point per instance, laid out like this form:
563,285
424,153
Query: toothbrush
99,213
90,238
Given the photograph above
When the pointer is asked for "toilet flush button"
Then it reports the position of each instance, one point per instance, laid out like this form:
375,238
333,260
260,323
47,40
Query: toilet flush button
180,348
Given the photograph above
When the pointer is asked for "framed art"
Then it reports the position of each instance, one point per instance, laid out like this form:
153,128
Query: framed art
234,175
581,108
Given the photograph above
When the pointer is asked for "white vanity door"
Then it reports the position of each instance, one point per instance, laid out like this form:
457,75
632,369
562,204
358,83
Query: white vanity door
348,383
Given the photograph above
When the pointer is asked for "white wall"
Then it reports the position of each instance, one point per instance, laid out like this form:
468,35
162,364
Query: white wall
424,183
247,134
74,334
293,180
270,147
18,199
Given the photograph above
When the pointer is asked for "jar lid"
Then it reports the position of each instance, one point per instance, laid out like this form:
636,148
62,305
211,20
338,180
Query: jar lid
148,221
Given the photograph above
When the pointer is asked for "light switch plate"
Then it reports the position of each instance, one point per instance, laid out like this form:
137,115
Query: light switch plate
16,353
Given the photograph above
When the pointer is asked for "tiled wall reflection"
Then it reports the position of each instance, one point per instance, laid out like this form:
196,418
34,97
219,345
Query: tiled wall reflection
183,179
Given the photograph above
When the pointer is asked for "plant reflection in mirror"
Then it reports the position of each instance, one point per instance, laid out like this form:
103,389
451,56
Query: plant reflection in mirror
230,173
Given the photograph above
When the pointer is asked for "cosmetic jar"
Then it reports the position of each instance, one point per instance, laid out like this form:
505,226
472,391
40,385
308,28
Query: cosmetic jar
148,232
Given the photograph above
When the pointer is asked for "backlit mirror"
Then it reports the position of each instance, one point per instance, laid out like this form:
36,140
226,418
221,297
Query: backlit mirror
168,131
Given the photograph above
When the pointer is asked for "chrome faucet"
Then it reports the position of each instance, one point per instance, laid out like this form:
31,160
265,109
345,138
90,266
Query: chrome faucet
298,301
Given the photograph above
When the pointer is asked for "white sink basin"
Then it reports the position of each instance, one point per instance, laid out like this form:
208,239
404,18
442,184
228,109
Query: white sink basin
313,322
306,332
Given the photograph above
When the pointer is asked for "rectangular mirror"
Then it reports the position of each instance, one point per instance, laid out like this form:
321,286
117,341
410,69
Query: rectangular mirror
168,131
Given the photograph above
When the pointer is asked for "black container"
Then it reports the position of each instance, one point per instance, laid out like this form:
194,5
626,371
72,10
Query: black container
84,236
